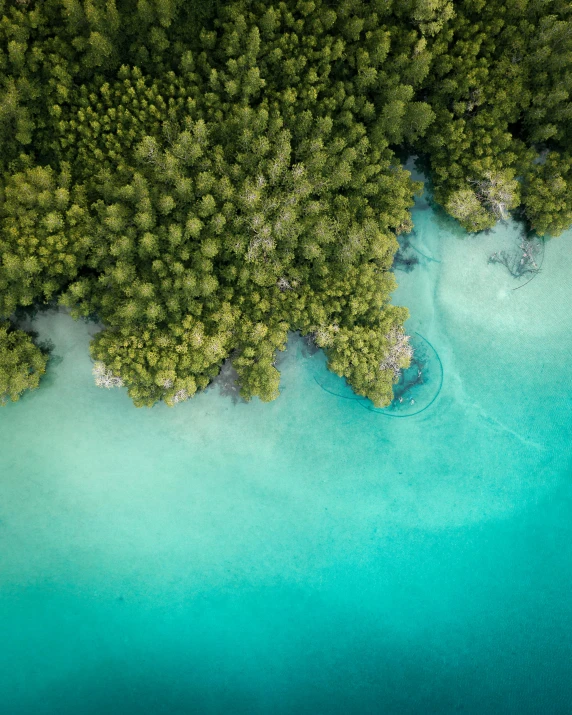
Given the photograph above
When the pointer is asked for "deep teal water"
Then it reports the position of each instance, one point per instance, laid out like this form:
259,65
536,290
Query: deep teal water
307,556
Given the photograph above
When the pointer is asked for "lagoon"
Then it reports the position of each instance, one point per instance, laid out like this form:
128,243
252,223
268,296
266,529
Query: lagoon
311,555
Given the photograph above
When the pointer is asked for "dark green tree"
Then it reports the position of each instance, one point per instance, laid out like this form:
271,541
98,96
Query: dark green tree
21,363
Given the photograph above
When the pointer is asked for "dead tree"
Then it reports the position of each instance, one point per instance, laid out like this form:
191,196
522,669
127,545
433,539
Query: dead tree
521,262
405,260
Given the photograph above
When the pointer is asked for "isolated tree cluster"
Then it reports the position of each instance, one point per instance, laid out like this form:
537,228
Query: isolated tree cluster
22,363
206,177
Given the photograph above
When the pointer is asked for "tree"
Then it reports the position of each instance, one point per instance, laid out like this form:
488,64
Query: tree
45,234
548,194
205,177
21,363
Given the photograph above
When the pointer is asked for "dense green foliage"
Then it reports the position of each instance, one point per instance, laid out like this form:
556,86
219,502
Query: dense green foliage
21,363
205,177
500,86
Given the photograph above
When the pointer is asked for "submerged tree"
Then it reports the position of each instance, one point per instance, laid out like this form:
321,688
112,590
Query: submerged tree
522,262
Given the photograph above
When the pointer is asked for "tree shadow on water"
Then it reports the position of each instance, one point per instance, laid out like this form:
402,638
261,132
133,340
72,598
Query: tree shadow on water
227,383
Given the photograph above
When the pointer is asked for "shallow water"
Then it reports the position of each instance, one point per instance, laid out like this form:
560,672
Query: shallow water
311,555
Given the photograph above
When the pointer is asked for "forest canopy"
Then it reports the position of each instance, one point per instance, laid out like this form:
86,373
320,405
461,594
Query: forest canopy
205,177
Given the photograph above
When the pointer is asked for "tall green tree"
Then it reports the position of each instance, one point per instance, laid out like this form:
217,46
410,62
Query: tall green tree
21,363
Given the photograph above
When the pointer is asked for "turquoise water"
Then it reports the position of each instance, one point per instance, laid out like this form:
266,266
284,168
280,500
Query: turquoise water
311,555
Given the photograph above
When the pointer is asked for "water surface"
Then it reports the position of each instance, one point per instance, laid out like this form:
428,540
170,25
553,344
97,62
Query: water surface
311,555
